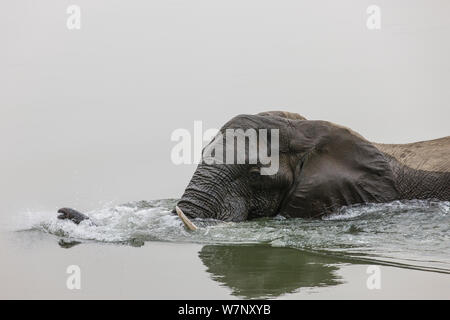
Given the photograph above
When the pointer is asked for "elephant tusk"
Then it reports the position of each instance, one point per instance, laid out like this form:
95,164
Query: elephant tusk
185,220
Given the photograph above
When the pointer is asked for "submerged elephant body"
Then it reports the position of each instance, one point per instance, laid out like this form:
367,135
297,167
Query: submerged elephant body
322,167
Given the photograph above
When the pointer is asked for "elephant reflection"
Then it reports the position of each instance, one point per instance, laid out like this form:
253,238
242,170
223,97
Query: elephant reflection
262,271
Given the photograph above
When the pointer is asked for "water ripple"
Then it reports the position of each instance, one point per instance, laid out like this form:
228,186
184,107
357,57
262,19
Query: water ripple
414,232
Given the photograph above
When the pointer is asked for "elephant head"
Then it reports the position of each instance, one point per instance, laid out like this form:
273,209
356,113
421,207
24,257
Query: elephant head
320,167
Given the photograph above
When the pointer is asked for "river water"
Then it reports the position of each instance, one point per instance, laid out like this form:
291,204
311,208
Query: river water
265,258
142,250
415,233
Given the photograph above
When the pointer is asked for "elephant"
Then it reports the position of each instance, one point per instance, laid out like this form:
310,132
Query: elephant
322,167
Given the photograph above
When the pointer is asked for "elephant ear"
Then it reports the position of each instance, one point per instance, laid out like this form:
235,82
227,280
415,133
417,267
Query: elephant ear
336,167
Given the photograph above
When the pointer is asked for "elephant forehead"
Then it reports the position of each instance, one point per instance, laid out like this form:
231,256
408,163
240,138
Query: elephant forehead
250,143
283,114
248,121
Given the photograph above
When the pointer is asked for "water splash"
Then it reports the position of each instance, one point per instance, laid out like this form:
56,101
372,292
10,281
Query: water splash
411,232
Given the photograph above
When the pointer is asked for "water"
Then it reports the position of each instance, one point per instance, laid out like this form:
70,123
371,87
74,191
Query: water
410,234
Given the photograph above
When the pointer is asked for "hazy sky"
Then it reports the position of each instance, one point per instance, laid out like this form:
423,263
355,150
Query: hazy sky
86,115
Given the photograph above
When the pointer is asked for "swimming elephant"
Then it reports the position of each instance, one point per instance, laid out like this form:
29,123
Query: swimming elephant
322,167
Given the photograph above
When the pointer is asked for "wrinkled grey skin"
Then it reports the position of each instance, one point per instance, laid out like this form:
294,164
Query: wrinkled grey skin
323,167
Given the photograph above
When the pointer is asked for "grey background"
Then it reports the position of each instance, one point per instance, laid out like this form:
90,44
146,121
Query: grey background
86,115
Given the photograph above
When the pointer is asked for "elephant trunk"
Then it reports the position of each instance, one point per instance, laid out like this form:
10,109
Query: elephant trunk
204,195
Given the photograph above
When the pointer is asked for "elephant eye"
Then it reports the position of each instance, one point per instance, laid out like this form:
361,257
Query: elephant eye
254,171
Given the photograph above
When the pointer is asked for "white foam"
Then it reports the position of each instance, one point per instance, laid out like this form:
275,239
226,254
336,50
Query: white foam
419,229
